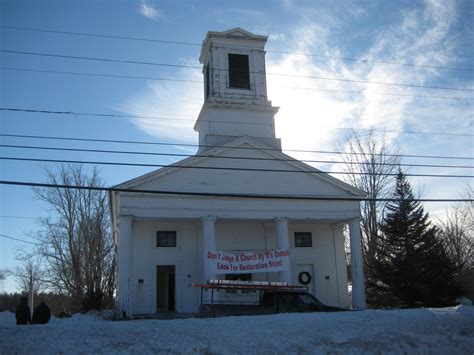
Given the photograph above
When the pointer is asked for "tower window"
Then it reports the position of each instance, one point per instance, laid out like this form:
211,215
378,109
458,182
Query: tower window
207,80
239,72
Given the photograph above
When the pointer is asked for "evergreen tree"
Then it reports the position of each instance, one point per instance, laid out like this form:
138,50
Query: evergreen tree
412,268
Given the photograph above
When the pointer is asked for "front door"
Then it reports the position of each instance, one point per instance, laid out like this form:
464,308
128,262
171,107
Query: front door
165,288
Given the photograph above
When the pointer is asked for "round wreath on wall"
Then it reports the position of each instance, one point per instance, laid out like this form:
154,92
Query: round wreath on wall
304,278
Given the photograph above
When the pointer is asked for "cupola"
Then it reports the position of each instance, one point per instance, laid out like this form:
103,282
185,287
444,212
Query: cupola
235,90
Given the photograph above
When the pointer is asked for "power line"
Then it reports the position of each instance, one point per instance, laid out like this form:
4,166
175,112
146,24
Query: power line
18,239
176,165
381,93
20,217
371,61
199,45
101,36
367,82
221,157
100,59
115,115
109,60
190,145
201,82
101,75
211,194
108,115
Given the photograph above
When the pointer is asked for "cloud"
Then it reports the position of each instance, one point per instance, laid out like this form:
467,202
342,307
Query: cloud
149,11
312,111
168,110
276,36
310,106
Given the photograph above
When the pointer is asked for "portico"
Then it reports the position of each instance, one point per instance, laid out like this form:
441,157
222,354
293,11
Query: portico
233,226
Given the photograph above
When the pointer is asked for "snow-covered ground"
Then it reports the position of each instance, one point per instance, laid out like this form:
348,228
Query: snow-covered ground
442,331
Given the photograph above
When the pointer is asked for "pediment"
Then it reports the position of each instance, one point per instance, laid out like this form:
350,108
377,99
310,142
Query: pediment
232,36
236,169
238,33
235,33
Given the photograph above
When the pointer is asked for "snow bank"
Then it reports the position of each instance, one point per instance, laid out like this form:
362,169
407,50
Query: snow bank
447,330
7,318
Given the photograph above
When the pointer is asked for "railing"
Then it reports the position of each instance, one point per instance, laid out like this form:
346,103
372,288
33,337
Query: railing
249,286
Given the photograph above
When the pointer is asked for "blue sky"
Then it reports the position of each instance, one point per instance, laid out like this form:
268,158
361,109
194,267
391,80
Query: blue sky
425,33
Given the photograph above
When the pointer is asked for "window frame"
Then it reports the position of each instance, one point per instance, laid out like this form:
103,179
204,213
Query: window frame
232,72
302,243
167,245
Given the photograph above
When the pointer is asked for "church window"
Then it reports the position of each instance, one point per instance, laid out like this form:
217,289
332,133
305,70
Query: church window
166,239
303,240
239,71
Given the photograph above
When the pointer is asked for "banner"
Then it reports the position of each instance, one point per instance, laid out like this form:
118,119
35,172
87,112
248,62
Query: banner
249,262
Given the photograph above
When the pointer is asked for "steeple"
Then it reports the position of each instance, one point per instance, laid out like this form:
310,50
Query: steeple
235,90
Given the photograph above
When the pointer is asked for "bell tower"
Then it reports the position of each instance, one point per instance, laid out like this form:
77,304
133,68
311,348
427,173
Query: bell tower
235,90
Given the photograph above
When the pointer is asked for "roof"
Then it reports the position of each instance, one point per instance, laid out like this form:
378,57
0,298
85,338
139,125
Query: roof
217,170
236,33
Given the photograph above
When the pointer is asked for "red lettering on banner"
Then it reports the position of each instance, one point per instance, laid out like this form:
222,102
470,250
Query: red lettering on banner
252,262
211,256
282,253
228,258
268,254
275,264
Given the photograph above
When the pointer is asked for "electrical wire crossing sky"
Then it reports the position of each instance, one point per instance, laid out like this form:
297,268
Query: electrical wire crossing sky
120,88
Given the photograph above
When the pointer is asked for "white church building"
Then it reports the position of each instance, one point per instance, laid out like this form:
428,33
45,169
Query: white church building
240,195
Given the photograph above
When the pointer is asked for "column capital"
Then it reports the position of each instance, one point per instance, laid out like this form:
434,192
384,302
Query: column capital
281,219
209,218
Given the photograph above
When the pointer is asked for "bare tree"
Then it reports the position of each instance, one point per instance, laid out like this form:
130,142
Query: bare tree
4,273
372,167
75,241
29,276
457,232
457,235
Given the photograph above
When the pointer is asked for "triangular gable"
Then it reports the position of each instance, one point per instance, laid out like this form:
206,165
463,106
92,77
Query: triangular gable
236,32
179,169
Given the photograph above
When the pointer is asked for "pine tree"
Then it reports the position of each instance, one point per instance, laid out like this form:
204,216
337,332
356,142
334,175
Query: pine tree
412,268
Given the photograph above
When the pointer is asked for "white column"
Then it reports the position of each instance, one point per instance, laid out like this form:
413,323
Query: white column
283,243
208,244
31,298
357,266
124,281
